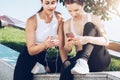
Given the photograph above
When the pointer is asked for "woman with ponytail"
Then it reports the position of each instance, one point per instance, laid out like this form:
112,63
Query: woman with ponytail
41,31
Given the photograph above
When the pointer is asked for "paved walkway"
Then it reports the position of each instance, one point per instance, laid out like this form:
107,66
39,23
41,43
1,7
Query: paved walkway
7,54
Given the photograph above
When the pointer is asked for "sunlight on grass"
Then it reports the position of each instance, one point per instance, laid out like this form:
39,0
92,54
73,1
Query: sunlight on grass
13,38
12,34
115,65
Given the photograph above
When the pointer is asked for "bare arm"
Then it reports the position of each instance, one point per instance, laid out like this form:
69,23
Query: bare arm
33,49
68,44
63,54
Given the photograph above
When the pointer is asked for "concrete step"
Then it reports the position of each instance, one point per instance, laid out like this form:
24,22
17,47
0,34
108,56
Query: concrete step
6,73
90,76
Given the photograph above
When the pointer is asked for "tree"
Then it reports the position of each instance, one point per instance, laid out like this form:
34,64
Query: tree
102,8
115,7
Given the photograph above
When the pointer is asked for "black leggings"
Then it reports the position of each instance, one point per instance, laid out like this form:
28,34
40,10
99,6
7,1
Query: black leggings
0,23
26,62
98,60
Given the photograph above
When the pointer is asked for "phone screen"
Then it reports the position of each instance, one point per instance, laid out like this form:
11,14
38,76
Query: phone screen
70,34
54,37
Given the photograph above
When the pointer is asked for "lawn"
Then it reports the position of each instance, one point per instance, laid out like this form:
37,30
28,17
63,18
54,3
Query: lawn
15,39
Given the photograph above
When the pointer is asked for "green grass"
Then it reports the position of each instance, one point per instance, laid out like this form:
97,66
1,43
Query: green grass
115,65
15,39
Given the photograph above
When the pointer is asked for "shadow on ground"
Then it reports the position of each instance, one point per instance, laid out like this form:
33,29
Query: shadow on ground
15,46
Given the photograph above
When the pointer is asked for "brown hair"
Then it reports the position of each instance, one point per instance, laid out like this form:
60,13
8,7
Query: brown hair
42,7
42,0
80,2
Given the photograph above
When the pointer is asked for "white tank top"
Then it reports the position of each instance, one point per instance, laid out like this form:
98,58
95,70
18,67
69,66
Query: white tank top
45,29
72,27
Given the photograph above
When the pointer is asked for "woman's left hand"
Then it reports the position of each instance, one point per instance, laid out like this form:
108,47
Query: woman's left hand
81,40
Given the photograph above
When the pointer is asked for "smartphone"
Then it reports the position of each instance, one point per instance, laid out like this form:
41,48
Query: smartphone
70,34
54,38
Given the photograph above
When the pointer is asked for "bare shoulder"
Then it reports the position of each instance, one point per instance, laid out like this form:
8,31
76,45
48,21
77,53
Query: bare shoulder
67,25
31,21
59,16
67,22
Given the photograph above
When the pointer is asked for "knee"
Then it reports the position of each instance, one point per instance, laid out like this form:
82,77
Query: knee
90,30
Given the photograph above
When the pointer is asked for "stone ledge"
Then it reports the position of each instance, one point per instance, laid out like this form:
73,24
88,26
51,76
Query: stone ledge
90,76
6,73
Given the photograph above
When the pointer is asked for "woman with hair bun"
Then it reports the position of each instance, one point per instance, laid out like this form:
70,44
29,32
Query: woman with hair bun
85,32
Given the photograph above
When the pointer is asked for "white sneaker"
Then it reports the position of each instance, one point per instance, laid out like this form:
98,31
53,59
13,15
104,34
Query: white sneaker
81,67
38,68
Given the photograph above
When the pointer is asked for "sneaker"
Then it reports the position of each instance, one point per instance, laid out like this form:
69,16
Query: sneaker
81,67
38,68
